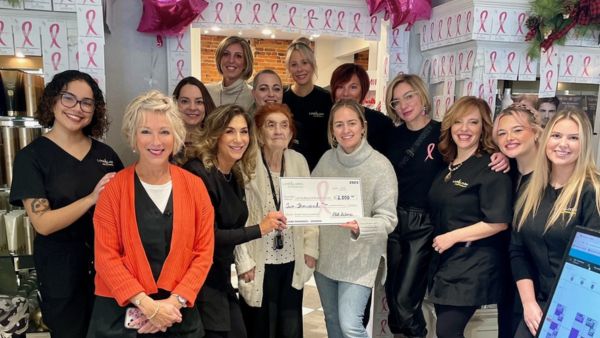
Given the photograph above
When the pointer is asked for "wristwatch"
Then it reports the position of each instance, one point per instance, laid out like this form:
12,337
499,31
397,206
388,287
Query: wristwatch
180,299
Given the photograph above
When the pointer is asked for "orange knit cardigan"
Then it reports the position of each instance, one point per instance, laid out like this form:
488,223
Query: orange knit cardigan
122,269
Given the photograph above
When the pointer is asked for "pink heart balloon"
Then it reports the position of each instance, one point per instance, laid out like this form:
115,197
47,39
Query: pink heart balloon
169,17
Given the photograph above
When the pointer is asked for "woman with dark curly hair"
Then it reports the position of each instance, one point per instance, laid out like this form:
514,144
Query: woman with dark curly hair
57,179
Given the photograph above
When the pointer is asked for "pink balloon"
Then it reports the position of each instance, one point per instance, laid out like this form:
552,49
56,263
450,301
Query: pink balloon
169,17
376,6
401,11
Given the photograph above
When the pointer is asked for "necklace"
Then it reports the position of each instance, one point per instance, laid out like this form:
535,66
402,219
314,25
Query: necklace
236,97
227,177
451,169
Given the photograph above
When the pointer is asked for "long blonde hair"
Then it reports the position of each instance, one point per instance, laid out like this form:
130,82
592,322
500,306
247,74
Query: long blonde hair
206,141
585,172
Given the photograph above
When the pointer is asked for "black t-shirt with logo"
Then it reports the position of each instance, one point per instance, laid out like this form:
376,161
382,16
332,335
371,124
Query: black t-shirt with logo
311,115
415,177
45,170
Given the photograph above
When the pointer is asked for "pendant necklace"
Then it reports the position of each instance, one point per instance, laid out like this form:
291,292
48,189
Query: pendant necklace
221,95
226,177
451,169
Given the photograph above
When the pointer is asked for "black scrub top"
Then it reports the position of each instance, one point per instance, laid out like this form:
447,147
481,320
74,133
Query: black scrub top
469,274
311,116
416,176
231,213
537,253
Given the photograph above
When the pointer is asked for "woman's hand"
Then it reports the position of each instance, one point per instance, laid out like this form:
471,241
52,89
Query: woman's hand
310,261
163,315
150,328
499,162
248,276
532,315
275,220
100,186
353,226
443,242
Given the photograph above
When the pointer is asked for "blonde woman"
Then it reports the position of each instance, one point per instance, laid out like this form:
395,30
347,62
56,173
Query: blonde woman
561,194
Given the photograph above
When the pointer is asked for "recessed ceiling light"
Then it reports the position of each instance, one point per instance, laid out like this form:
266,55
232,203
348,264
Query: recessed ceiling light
272,36
206,31
215,28
240,33
267,31
19,54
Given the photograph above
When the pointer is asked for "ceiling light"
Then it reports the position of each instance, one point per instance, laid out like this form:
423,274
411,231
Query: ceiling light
19,54
215,28
267,31
272,36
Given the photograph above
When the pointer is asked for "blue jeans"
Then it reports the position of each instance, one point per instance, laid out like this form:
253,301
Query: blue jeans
344,307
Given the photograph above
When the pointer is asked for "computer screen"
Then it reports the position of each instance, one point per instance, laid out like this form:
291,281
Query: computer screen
574,307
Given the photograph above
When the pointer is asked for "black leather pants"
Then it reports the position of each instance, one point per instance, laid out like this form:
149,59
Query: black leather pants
408,255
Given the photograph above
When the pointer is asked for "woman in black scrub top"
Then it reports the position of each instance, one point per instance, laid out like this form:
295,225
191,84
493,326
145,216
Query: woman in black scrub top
57,179
309,103
561,193
470,206
224,157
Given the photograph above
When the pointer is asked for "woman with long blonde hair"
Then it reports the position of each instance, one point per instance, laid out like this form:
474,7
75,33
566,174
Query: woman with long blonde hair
561,194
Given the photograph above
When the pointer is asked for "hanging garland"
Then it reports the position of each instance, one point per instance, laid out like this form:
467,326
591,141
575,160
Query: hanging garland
551,20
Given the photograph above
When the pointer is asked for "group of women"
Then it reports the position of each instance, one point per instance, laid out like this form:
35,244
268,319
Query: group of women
203,194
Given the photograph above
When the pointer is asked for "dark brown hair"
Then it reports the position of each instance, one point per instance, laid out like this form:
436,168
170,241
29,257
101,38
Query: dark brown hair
342,74
209,104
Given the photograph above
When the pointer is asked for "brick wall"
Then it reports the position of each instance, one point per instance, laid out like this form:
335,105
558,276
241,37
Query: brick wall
362,59
268,53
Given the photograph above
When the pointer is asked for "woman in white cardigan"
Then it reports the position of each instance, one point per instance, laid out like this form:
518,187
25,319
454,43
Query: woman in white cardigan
272,270
351,253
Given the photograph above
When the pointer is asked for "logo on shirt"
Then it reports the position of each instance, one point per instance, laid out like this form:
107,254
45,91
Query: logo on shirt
105,162
316,114
430,149
459,183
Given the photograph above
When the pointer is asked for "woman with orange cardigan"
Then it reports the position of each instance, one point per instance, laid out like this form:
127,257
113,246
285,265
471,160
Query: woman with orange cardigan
154,233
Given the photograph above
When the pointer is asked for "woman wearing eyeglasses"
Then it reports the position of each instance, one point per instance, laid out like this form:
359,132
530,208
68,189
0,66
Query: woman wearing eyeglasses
273,269
57,179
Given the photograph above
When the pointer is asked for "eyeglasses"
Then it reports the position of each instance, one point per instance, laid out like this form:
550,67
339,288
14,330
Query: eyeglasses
278,241
408,97
70,100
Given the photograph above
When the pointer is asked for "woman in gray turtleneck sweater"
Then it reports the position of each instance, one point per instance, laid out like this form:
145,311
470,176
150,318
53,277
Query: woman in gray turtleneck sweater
350,253
234,62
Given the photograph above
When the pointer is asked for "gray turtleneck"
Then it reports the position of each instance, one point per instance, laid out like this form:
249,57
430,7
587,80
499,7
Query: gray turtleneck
239,93
346,258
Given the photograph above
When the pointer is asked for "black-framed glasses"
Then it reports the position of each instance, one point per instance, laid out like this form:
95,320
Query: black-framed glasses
69,100
278,241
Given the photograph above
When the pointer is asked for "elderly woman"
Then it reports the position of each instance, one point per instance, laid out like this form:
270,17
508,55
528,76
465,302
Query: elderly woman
562,192
350,254
225,158
234,61
154,240
309,103
470,206
57,179
272,270
266,88
351,81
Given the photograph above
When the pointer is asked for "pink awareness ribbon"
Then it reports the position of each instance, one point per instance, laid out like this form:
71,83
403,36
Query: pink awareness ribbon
26,29
448,26
490,101
383,326
180,64
55,58
440,23
356,23
395,34
54,30
451,65
398,57
443,65
511,58
549,53
341,15
91,49
328,14
310,16
434,68
274,8
460,61
255,13
180,42
218,10
292,13
549,75
483,17
528,65
469,57
90,17
521,21
586,63
447,103
469,14
238,11
322,189
568,65
458,19
449,85
432,28
373,25
430,149
493,56
481,91
502,18
469,87
437,107
2,31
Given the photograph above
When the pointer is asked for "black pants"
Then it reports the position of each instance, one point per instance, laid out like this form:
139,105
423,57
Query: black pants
408,256
452,320
280,315
238,329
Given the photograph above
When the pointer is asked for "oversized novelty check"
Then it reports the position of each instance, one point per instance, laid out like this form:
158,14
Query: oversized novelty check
320,200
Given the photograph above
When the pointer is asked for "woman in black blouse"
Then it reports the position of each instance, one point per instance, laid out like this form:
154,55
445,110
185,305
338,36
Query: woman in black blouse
224,157
470,206
561,194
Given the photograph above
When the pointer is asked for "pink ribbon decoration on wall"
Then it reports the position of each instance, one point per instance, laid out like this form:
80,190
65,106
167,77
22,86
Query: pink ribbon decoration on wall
2,31
432,28
440,23
180,46
26,29
310,15
91,50
469,87
292,13
55,58
443,65
54,29
511,58
483,17
340,15
395,34
448,103
180,64
502,18
274,8
356,23
569,62
469,57
549,53
586,63
448,26
460,61
90,17
438,102
458,19
481,91
218,10
528,65
451,65
328,14
549,75
521,21
255,13
238,11
373,25
434,68
469,15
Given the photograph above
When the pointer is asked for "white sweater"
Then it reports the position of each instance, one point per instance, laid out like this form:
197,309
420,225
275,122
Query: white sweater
252,254
344,257
239,93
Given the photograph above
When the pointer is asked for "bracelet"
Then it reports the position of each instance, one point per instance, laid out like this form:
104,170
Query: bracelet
155,312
